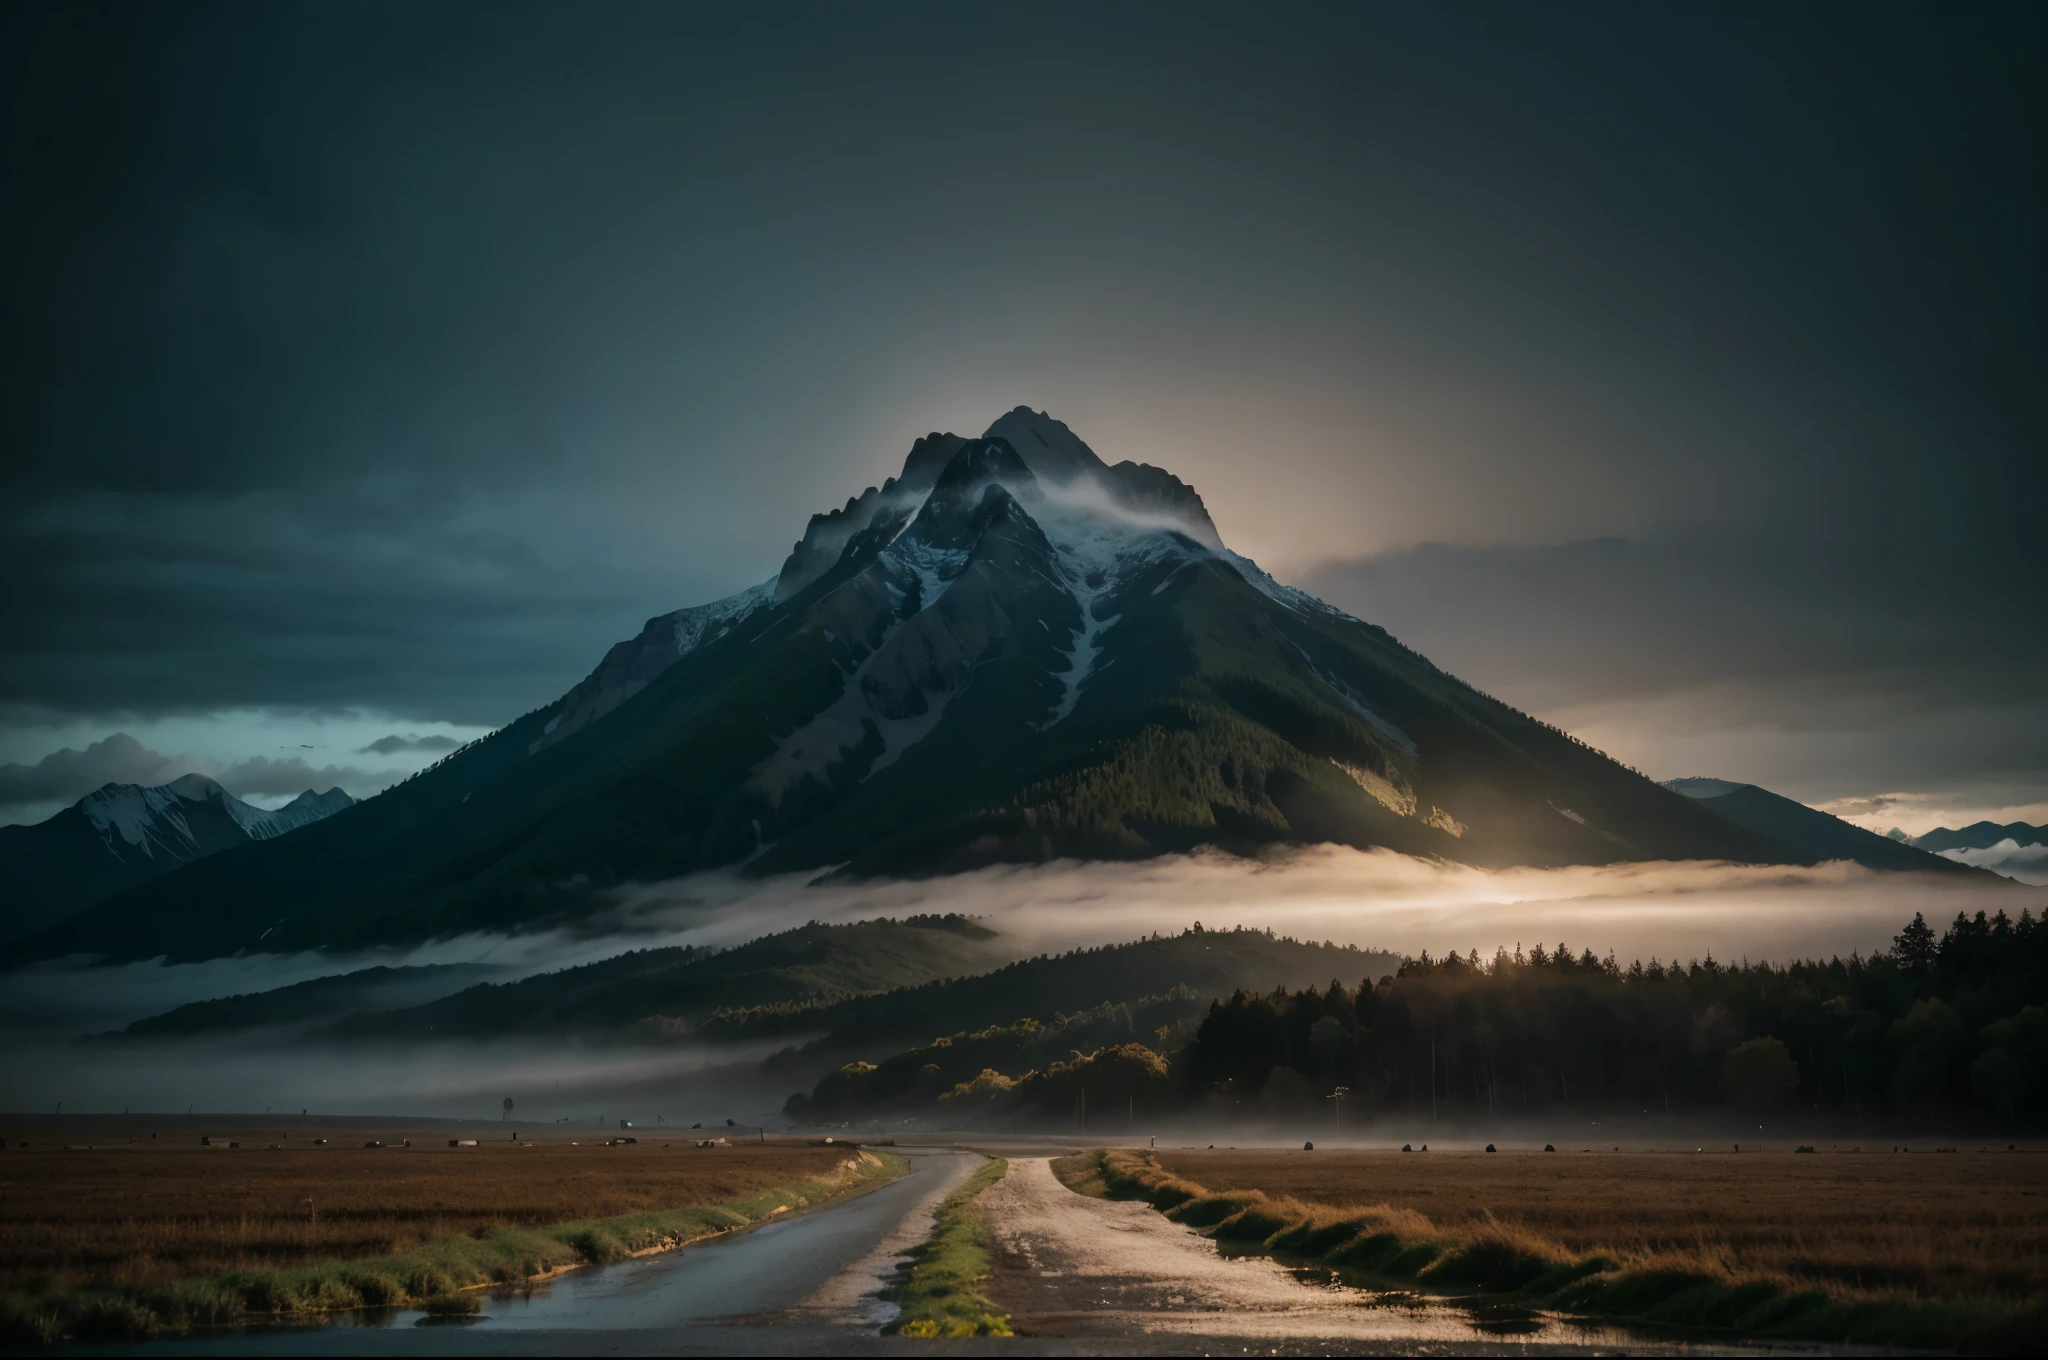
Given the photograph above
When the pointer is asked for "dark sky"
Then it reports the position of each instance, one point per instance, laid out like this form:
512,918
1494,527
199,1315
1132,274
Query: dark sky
1679,373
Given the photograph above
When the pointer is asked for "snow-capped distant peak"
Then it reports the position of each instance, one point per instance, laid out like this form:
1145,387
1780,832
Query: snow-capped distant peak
307,808
141,817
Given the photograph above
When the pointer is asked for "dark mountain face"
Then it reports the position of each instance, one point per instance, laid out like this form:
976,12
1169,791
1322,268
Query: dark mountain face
1814,835
124,834
1013,652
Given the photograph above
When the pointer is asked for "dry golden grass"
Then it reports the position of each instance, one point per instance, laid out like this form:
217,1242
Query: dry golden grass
1921,1226
143,1214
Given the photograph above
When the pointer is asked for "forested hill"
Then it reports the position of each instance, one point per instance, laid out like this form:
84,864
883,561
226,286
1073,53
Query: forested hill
1208,963
1950,1029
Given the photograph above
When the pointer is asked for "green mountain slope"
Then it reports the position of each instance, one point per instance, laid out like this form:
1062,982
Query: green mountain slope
1017,652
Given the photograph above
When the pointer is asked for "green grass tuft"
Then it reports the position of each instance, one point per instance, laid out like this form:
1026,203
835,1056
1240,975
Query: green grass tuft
940,1293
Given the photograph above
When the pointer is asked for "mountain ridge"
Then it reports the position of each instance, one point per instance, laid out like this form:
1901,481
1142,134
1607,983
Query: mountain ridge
120,835
1981,836
1816,834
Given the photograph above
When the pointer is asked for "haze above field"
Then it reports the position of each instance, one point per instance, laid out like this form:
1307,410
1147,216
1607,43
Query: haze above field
375,378
1374,900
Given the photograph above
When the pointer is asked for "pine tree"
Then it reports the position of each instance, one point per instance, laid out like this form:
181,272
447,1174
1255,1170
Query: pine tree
1914,947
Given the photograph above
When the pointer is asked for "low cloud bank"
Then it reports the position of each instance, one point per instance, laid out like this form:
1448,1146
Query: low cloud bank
1374,899
1371,898
393,744
249,1074
2023,863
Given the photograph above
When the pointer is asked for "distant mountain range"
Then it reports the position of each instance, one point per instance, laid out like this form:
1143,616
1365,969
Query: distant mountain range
1982,836
1814,834
2014,849
124,834
1013,652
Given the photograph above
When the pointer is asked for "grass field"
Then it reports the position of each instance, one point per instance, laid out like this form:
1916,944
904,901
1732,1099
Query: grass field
1904,1249
1922,1225
131,1237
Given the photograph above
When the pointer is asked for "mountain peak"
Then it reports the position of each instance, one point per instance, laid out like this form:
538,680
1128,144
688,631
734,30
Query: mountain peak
194,786
1047,446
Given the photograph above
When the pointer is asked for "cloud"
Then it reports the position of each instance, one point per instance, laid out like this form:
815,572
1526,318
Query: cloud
2025,863
391,745
65,775
259,776
1797,660
1374,899
1854,808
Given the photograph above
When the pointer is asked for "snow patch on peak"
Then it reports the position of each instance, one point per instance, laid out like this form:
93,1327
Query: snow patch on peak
143,818
933,566
1081,657
632,665
1273,590
694,625
303,810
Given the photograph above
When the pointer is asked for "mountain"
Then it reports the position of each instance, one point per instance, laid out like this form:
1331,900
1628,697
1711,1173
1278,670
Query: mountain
365,989
666,990
1814,835
124,834
1013,652
304,810
1982,836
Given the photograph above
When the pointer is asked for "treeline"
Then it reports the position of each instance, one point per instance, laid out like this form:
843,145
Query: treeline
1212,963
1954,1023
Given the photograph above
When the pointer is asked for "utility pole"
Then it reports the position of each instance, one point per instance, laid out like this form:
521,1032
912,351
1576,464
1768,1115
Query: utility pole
1338,1096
